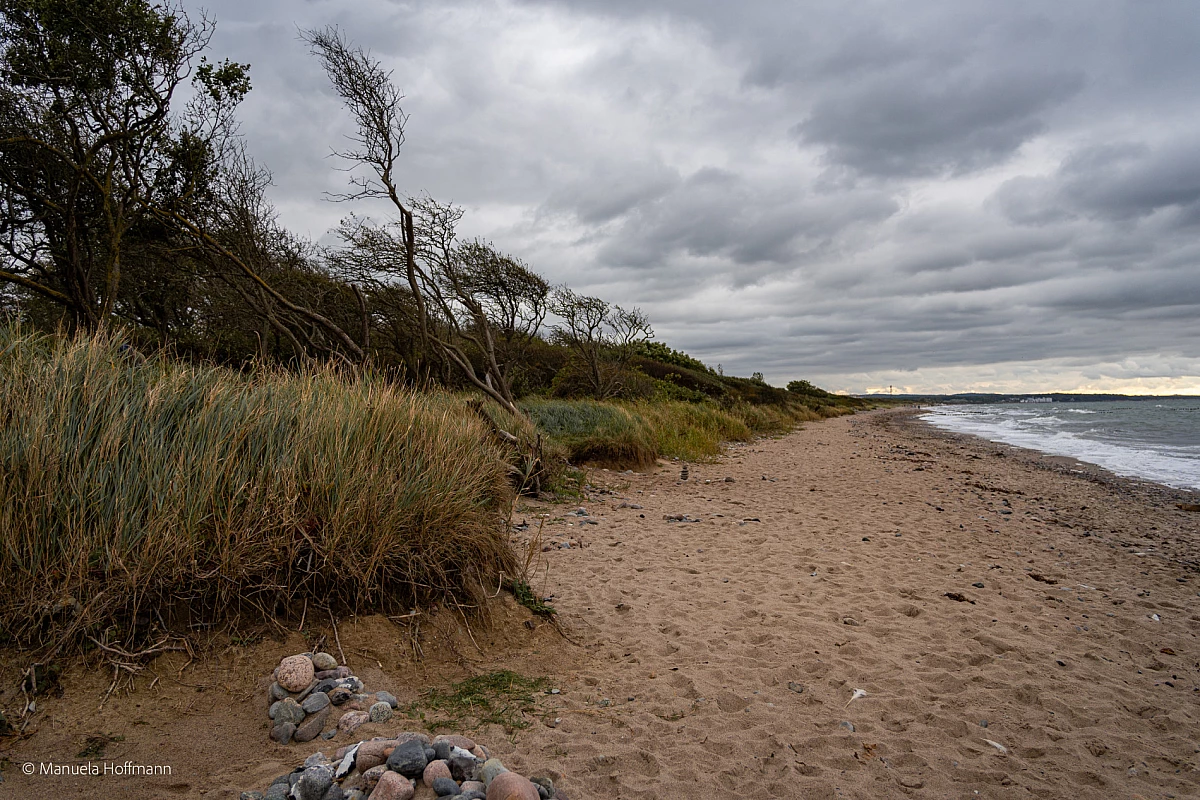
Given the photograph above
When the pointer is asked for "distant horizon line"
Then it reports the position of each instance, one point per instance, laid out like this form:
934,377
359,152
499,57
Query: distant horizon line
1022,394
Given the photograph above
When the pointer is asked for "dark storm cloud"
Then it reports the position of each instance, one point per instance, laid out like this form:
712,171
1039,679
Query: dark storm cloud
945,193
907,124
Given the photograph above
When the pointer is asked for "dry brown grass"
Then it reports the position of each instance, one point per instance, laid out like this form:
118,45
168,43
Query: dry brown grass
143,496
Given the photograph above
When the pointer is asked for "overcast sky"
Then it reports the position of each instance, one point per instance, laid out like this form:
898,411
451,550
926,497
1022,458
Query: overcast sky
940,196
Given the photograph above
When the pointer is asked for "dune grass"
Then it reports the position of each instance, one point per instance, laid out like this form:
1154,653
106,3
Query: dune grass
593,432
138,496
634,434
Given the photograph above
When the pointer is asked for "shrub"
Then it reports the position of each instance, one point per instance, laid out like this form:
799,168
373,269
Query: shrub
599,433
691,431
148,493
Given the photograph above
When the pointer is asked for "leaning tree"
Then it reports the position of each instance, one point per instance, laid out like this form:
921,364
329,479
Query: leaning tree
90,142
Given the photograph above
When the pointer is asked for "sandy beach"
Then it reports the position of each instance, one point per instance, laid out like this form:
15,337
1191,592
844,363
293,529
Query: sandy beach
1021,626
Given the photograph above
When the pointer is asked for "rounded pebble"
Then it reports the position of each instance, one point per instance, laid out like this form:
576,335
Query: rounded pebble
435,769
314,783
287,710
511,786
373,752
351,720
393,786
277,692
445,787
295,673
372,776
283,732
387,697
408,758
315,702
380,712
490,769
324,661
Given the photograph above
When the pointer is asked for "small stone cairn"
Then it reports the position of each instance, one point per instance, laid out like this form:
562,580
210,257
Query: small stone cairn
306,689
454,767
309,687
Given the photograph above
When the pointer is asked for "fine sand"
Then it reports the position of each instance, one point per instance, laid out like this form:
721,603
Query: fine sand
721,658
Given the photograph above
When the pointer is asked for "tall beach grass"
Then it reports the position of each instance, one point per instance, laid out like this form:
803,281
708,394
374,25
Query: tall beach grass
145,493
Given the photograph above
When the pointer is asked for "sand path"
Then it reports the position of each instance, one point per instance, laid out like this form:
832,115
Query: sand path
727,651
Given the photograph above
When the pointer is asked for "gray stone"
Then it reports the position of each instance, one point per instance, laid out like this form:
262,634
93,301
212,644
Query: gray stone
354,794
311,728
472,795
314,783
277,791
283,732
463,765
545,783
847,725
387,697
250,796
441,749
287,710
490,769
315,702
334,793
277,692
444,787
324,661
380,712
317,759
409,759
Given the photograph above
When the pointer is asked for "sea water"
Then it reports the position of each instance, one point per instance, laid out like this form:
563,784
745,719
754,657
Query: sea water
1156,439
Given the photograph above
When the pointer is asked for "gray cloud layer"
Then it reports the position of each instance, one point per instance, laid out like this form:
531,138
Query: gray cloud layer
938,195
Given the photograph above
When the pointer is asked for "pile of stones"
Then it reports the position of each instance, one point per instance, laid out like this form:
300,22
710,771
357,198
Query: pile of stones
454,767
307,690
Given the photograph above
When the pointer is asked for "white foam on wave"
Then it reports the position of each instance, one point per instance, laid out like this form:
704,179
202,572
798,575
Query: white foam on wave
1173,466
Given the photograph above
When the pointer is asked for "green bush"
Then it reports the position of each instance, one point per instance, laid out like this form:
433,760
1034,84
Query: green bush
594,432
148,492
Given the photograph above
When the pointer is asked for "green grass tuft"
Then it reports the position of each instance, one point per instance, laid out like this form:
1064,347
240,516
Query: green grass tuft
495,698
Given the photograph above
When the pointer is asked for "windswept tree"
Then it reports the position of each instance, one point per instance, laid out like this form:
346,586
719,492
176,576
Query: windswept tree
477,309
482,309
602,339
89,141
373,101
